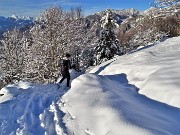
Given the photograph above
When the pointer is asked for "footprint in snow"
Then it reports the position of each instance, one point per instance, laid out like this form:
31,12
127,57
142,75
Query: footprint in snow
88,132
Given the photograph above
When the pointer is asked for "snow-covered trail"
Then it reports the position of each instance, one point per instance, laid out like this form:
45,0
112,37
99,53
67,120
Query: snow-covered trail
32,110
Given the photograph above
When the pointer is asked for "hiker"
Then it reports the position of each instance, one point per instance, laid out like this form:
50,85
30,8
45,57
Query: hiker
65,66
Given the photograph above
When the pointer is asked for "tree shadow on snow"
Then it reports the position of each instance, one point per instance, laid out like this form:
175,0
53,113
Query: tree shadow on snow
102,68
148,46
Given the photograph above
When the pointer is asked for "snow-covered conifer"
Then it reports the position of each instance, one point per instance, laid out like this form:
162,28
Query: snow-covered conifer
107,46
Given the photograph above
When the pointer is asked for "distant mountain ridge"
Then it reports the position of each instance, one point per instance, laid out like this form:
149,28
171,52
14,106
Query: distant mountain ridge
118,15
122,12
7,23
92,21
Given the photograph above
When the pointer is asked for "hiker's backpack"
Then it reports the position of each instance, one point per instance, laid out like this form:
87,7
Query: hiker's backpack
64,66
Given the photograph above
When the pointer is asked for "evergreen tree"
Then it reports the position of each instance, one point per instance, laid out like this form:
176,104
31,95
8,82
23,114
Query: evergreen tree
107,46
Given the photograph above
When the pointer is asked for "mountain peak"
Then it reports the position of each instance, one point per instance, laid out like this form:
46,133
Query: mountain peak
14,17
127,12
7,23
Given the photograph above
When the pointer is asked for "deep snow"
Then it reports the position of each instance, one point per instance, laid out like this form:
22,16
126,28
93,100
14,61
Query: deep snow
137,94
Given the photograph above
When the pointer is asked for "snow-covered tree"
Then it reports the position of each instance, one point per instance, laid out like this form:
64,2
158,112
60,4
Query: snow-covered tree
46,35
107,46
13,56
89,43
55,33
40,49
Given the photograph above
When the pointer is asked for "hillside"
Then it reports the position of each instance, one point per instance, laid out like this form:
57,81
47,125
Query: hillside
93,21
137,94
118,15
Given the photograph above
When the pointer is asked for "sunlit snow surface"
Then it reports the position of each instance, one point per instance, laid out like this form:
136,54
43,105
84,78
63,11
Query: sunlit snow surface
134,94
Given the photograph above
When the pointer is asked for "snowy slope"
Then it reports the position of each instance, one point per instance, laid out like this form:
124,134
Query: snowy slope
135,94
155,71
108,99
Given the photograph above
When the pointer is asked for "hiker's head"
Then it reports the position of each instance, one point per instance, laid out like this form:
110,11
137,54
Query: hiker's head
68,55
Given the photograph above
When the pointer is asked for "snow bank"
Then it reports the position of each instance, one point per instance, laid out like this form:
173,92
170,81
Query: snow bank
108,104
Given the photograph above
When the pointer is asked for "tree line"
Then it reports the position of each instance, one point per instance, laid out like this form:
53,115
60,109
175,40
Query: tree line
34,54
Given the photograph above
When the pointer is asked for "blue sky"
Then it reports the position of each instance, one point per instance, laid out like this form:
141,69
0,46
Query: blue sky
35,7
